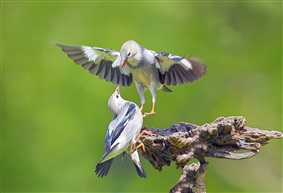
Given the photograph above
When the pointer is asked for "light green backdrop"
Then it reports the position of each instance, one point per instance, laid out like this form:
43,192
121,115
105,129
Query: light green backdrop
54,113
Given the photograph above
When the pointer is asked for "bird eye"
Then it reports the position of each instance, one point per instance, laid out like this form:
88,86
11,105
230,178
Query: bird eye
117,96
129,54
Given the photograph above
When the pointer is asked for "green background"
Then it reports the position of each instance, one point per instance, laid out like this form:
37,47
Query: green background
54,113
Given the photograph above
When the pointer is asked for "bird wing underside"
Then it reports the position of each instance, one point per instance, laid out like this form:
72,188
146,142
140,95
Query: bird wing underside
99,62
174,70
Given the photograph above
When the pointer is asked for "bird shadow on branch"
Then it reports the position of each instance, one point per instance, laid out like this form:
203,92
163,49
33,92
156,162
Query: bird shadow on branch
223,138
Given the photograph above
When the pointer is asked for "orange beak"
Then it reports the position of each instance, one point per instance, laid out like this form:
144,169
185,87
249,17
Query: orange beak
124,63
118,89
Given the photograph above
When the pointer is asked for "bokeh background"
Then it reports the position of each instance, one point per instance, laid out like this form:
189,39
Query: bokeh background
54,113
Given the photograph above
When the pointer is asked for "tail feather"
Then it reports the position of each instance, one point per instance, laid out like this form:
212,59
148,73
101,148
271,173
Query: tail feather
166,89
140,171
137,163
102,169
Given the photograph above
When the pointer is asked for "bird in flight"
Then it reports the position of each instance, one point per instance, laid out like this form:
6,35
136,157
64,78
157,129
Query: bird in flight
150,70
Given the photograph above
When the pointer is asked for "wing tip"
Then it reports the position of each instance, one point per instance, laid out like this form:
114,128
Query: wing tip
199,67
58,43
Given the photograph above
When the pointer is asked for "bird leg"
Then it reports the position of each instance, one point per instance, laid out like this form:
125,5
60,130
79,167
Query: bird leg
152,112
142,106
141,145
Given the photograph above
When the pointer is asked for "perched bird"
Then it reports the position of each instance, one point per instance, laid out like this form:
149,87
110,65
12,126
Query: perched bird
121,134
150,70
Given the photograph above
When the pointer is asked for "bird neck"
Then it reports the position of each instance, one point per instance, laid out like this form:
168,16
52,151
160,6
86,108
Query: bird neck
115,104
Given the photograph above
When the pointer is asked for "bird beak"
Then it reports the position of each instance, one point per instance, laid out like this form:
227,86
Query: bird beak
118,89
124,62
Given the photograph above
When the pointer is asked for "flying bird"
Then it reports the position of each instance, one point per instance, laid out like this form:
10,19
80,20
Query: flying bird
122,133
150,70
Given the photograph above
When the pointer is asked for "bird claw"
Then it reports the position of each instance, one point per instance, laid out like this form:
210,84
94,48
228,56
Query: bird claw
141,145
148,114
144,132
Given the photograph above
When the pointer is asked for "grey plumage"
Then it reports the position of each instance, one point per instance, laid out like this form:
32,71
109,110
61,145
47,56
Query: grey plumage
150,70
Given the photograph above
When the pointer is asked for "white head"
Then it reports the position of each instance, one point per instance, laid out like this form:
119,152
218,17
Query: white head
130,52
115,102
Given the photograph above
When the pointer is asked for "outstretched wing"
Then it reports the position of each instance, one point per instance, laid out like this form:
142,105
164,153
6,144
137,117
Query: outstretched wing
99,61
175,70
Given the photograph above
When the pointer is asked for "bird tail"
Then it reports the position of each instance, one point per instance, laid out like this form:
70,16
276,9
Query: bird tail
102,169
166,89
137,163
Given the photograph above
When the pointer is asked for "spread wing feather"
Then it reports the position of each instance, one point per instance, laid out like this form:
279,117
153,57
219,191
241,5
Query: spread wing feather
98,61
174,70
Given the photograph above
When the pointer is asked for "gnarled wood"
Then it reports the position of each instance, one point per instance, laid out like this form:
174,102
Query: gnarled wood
220,139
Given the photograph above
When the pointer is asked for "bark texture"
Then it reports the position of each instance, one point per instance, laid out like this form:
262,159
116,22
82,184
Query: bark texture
220,139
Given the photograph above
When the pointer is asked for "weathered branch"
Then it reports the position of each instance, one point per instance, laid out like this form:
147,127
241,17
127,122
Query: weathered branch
219,139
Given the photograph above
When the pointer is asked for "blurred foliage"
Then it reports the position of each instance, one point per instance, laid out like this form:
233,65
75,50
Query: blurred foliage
54,113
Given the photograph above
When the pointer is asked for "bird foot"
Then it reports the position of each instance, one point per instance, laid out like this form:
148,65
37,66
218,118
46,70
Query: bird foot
148,114
141,145
145,132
